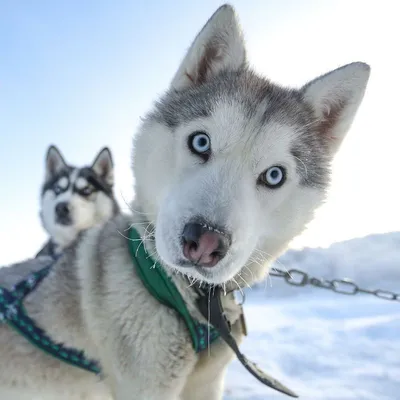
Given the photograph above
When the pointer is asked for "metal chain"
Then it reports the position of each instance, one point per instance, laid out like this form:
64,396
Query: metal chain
296,277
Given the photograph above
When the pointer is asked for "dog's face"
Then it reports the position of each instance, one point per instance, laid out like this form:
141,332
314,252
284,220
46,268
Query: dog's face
75,199
231,167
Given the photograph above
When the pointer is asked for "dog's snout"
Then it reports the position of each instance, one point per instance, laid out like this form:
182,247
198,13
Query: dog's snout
204,245
63,212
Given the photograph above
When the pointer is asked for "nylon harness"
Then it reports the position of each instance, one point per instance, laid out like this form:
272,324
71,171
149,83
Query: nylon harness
160,285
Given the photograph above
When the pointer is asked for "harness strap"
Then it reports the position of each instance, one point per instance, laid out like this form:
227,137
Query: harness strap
213,308
13,313
160,285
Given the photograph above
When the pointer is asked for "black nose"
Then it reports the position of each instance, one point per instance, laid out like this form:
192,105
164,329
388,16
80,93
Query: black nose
204,245
62,212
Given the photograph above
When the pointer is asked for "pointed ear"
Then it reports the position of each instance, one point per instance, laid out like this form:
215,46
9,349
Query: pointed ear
335,98
54,162
218,46
103,165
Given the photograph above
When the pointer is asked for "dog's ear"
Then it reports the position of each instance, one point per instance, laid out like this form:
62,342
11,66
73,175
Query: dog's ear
54,162
218,46
335,98
103,165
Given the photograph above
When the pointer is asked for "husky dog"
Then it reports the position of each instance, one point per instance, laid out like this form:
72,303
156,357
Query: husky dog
71,203
229,168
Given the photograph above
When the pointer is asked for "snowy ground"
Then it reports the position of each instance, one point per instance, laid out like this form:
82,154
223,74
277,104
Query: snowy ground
323,345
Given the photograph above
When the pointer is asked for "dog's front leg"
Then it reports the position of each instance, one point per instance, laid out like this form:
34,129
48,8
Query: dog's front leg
206,381
212,390
156,378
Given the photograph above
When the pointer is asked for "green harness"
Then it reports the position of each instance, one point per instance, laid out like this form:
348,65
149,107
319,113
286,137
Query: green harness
161,287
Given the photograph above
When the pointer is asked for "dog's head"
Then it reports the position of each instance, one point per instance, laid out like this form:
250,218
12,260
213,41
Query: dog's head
230,166
74,199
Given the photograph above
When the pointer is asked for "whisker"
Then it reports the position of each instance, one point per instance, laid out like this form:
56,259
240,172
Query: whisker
240,289
244,280
208,324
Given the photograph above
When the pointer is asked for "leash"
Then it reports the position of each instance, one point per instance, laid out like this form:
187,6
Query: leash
211,308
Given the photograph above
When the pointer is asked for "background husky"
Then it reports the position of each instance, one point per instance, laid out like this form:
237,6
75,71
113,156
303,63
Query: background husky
229,167
70,203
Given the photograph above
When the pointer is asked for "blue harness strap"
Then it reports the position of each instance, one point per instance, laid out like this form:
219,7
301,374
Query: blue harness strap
13,313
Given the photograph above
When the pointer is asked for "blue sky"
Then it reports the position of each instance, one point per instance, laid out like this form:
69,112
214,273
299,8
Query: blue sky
80,75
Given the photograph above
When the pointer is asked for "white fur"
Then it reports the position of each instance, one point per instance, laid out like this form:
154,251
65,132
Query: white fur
85,212
255,216
81,183
63,182
93,299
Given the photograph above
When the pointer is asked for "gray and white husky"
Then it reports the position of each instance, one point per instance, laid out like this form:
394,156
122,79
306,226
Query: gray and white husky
74,199
229,168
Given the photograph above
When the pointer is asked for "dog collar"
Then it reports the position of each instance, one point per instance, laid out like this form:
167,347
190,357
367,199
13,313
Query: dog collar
161,287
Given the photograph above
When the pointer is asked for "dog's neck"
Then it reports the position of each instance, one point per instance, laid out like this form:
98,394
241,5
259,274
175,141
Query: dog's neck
51,248
186,287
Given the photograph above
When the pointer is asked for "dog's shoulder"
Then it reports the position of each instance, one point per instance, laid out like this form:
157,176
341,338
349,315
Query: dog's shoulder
13,273
106,240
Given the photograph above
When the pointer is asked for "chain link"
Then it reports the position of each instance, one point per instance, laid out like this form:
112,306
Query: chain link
346,286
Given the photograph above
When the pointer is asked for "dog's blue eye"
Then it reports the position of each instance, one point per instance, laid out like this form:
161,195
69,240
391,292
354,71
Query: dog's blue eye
57,189
199,143
273,177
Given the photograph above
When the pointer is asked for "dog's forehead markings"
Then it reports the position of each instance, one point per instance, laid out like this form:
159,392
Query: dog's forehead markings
63,182
74,175
81,183
64,196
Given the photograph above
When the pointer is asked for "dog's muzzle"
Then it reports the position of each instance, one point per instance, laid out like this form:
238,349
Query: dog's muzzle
63,213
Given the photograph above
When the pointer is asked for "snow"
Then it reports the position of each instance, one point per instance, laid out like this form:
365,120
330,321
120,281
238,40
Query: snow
320,344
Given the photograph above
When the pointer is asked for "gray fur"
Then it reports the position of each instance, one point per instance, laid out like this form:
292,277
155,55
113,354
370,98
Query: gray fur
85,210
260,99
94,300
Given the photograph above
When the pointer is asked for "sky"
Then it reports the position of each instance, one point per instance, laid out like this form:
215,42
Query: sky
81,74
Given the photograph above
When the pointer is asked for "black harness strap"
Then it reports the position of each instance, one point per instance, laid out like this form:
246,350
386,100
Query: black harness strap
211,308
